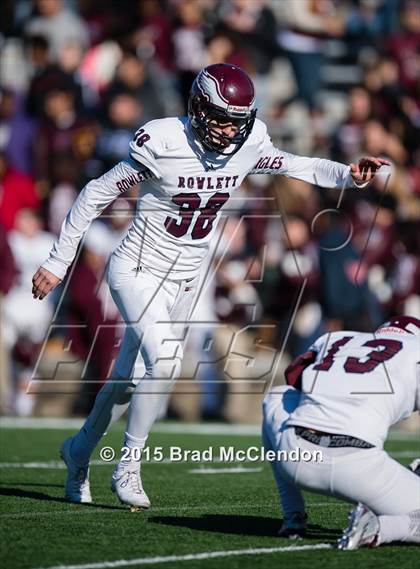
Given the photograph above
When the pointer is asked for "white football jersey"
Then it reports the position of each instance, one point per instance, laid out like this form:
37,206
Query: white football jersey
360,384
183,190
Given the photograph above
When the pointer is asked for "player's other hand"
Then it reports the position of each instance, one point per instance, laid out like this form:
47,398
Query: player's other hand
43,282
366,169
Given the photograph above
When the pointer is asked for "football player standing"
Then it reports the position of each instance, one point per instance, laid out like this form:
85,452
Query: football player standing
343,396
188,168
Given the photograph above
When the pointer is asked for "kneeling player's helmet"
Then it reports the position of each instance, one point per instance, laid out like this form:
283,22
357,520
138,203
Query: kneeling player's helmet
407,324
222,94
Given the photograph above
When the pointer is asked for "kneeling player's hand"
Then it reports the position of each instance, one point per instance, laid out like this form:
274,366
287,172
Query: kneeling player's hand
43,282
366,169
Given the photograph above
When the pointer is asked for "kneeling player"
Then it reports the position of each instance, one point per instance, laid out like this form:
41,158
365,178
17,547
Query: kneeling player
342,397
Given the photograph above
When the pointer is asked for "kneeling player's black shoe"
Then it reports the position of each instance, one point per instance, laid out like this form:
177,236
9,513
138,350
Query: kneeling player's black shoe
415,466
294,526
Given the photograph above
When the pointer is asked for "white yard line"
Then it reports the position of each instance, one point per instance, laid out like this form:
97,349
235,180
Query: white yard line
193,557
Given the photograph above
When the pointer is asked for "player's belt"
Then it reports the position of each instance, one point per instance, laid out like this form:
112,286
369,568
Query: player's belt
331,440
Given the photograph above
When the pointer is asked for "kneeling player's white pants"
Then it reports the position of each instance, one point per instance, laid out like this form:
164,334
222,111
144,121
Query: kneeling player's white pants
369,476
277,407
156,312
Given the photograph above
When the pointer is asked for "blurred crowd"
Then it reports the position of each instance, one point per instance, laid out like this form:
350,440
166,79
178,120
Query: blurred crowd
335,79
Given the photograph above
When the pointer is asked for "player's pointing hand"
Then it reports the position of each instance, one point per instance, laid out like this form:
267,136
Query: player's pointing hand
43,282
366,169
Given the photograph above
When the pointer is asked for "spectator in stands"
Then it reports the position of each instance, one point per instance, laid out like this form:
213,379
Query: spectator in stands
91,313
47,75
7,276
17,131
221,48
153,38
124,116
252,26
305,26
62,132
70,58
403,47
405,280
58,24
347,301
26,321
132,77
366,21
297,265
377,138
17,191
348,139
189,45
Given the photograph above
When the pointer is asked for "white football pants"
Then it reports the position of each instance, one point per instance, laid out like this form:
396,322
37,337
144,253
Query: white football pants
156,312
369,476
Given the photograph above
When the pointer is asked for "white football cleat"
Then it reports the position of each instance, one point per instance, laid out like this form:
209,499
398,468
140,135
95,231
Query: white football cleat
77,487
363,529
126,483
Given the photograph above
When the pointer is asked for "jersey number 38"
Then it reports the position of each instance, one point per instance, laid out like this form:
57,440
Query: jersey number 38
188,205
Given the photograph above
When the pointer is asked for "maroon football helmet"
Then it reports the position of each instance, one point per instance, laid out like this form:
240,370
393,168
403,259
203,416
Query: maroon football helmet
398,324
222,94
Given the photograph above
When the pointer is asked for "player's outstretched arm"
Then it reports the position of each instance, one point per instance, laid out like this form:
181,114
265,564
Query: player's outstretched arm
323,172
318,171
92,200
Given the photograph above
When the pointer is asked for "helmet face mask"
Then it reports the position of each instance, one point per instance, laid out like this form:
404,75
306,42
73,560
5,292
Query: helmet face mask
221,108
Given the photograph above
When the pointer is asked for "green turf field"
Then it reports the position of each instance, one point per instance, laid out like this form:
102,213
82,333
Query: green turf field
192,513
